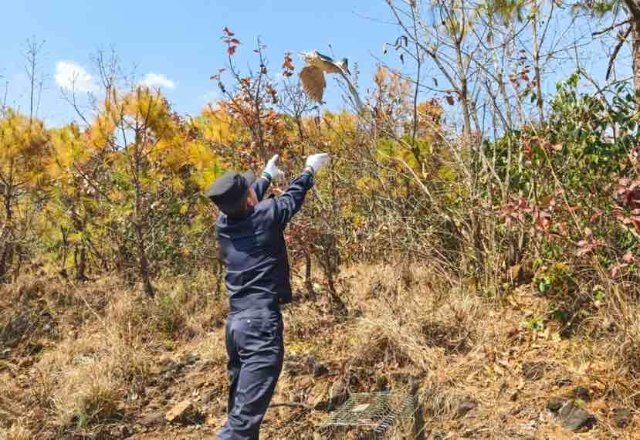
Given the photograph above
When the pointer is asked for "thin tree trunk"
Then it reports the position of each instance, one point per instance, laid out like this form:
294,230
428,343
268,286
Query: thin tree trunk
307,272
536,67
144,263
7,234
635,51
633,8
139,229
65,251
81,263
470,143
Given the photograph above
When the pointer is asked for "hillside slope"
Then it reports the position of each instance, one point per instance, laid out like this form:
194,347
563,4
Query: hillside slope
97,360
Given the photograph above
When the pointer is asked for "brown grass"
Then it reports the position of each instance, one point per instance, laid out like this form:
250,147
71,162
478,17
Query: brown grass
99,357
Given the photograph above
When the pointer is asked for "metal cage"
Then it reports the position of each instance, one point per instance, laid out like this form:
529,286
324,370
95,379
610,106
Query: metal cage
372,416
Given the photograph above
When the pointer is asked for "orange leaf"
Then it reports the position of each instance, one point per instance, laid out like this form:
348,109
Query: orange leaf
596,215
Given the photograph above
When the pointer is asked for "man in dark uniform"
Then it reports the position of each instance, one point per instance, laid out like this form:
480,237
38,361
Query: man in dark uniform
250,235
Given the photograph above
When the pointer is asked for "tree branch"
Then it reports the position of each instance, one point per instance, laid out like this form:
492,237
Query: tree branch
616,50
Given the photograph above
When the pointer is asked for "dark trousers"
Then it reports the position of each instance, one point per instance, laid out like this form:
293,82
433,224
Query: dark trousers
255,348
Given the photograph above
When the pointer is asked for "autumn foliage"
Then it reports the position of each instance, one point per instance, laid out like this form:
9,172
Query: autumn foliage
444,223
122,192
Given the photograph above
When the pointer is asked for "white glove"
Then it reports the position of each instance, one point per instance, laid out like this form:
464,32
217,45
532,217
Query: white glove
271,170
317,161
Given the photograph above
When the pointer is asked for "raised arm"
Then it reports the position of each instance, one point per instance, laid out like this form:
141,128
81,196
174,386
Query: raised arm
270,172
290,202
260,186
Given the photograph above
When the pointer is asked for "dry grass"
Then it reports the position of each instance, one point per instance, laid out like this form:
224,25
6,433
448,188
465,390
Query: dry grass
84,379
99,356
473,352
96,347
405,322
17,432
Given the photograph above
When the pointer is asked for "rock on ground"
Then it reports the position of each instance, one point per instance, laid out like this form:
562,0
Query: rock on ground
572,417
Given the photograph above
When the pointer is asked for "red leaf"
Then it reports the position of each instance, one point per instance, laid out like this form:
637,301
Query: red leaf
287,62
616,268
596,216
228,32
543,220
217,75
231,50
586,247
450,99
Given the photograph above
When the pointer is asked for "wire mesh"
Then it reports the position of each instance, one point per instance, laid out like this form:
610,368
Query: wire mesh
369,414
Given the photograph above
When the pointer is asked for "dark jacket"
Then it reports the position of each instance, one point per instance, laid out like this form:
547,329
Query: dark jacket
254,251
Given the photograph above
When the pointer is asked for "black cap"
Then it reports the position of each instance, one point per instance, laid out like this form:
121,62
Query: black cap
230,188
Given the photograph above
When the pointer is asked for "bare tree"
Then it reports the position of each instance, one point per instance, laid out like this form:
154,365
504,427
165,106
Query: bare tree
32,54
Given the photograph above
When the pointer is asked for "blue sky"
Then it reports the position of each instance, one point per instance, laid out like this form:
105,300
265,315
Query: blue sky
176,42
176,45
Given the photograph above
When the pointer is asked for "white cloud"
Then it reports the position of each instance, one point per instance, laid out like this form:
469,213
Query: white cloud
157,80
72,76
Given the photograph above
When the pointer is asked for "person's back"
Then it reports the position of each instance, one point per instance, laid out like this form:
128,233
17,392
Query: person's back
253,249
255,255
252,246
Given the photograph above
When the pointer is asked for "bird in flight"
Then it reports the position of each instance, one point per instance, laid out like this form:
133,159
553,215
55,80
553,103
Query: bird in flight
313,80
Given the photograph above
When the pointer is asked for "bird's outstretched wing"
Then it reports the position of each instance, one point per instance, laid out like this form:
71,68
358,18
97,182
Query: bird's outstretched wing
328,64
313,82
324,57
